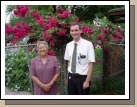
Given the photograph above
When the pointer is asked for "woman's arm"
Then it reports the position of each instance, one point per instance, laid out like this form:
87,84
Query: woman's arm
56,76
57,72
36,80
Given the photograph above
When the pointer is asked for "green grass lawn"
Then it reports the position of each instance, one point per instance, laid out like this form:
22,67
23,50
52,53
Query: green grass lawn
97,65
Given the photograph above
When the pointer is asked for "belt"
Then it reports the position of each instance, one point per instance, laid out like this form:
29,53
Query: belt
76,75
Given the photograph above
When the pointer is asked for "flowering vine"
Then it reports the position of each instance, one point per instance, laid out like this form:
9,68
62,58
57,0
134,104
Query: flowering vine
54,28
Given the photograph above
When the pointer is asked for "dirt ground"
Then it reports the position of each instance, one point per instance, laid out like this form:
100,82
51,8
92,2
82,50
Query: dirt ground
10,92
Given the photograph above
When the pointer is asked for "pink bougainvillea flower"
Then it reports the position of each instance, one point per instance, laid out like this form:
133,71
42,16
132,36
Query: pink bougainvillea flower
61,15
35,14
103,40
80,22
115,52
59,41
105,30
115,35
23,12
24,24
84,29
59,10
17,36
76,19
111,25
34,42
118,29
51,43
62,25
40,20
18,25
16,12
50,52
68,25
18,6
61,33
35,50
12,42
48,17
106,48
9,29
100,37
120,37
97,60
66,13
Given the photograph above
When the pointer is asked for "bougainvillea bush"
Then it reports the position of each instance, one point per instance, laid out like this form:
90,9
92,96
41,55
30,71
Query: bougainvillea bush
54,28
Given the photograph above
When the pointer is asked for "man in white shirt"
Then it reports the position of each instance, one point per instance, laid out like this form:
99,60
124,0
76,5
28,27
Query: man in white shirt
80,65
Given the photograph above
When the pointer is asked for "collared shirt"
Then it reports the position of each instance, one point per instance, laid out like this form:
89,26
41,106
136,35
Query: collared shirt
85,54
45,73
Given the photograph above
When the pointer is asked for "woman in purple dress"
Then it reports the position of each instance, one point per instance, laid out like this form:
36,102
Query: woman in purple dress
44,71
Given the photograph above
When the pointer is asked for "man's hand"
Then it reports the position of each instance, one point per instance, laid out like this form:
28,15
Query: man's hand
67,81
85,84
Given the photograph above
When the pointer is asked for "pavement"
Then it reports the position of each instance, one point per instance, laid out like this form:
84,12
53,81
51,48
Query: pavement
10,92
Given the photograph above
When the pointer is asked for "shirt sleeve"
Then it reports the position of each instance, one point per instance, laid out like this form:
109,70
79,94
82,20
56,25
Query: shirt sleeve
32,68
57,71
91,53
66,56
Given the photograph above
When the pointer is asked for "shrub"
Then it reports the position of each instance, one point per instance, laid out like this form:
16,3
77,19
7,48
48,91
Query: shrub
17,71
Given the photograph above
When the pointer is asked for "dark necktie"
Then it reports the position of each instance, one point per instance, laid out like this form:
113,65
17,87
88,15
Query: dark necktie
73,64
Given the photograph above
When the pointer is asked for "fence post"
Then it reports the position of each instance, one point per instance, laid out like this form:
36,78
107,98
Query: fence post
102,68
65,73
27,53
65,76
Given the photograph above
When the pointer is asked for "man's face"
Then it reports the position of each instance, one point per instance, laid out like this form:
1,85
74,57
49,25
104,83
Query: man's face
75,31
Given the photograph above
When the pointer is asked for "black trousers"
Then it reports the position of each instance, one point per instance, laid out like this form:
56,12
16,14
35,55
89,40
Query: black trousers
75,85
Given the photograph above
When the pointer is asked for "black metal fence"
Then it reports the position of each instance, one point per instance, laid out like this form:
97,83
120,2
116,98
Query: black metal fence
114,70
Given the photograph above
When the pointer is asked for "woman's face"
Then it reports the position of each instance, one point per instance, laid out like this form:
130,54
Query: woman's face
42,49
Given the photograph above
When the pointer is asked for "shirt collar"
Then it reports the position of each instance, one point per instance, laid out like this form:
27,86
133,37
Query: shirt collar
47,58
78,41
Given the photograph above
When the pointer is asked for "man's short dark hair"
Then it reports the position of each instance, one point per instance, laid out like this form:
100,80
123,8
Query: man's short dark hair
76,23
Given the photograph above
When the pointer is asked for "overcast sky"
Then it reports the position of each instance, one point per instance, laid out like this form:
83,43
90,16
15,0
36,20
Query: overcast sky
7,17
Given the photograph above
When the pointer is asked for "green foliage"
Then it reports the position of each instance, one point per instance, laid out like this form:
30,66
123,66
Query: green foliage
60,83
17,71
115,86
95,87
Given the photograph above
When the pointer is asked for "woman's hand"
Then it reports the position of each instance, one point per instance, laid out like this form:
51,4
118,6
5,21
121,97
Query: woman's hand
46,87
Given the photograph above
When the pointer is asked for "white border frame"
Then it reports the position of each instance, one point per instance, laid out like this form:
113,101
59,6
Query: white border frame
126,96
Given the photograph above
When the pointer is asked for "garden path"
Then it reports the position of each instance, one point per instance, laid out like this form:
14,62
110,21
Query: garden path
10,92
